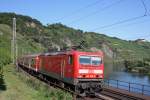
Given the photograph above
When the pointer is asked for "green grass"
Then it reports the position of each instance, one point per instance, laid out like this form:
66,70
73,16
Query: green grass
15,88
58,35
18,86
22,87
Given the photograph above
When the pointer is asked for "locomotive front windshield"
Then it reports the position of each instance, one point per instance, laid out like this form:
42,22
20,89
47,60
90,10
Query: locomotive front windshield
90,60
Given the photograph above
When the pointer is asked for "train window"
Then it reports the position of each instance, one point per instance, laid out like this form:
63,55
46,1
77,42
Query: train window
96,60
70,60
90,60
86,60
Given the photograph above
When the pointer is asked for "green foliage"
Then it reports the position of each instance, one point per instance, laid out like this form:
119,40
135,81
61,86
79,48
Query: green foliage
4,46
142,66
60,36
34,37
24,45
26,25
44,92
20,86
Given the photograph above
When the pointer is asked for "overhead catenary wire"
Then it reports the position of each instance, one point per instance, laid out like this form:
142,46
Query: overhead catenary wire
130,24
79,10
126,20
146,13
95,12
144,6
119,22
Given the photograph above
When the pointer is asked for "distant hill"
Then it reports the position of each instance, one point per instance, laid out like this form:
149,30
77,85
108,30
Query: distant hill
34,35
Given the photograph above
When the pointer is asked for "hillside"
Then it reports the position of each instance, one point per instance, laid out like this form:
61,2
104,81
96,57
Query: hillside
24,46
59,36
25,88
16,85
33,37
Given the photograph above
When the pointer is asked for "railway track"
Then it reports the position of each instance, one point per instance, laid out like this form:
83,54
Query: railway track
118,96
49,83
76,96
106,94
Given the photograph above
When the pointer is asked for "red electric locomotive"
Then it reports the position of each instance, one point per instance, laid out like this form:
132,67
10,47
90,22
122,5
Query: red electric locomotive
83,70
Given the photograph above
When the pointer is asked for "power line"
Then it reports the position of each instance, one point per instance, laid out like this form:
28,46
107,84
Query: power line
127,25
93,13
79,10
144,6
120,22
126,20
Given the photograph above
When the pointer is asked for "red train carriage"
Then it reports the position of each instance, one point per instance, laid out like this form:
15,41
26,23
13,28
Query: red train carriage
83,70
30,61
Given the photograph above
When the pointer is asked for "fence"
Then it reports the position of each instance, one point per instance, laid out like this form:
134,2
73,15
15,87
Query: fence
131,87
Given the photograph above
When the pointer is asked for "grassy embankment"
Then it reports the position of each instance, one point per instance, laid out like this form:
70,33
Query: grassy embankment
13,87
18,86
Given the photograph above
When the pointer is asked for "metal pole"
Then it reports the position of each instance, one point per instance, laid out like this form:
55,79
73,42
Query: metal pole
117,83
142,89
16,47
14,50
129,87
12,43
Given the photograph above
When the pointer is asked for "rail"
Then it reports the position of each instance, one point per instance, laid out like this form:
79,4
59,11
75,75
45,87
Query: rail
49,83
129,86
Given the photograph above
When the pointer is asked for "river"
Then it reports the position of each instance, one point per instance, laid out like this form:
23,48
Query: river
117,72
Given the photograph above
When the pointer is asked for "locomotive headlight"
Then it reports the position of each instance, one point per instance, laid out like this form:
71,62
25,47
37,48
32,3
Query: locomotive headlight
98,71
83,71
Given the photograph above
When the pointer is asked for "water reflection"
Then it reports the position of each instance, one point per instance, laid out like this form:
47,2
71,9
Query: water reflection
117,71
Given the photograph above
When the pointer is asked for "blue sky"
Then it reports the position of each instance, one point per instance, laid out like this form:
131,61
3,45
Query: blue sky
88,15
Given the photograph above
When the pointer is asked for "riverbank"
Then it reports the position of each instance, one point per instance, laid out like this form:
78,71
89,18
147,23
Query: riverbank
17,86
138,66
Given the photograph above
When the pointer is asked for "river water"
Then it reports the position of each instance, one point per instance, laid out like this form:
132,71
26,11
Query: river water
117,72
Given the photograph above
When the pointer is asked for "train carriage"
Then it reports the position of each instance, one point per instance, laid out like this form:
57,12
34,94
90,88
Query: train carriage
82,70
